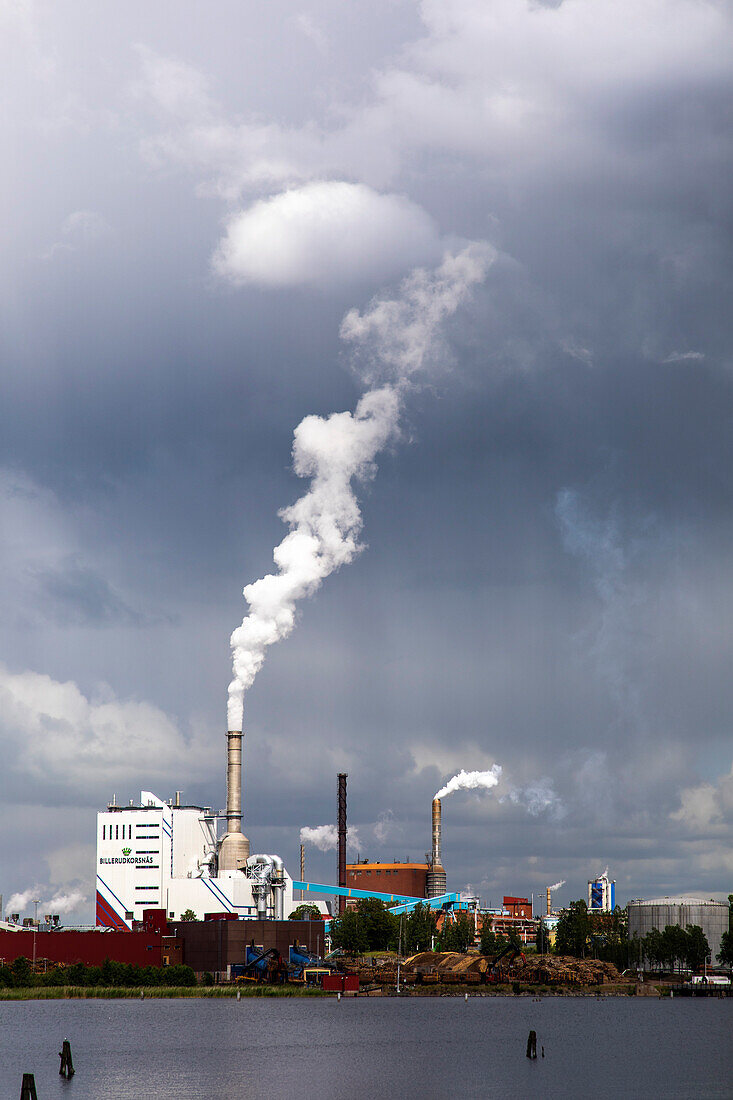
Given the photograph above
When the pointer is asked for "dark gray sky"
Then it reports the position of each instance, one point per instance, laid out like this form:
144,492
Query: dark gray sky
194,197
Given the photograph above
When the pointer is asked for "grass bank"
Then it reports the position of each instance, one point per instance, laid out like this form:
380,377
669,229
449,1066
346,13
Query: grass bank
72,992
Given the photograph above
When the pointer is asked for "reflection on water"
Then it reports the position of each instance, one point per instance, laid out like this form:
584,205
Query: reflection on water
412,1047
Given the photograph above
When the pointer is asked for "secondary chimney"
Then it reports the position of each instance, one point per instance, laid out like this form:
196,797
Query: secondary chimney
234,848
342,836
437,883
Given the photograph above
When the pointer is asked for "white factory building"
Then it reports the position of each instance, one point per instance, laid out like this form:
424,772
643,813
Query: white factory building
164,855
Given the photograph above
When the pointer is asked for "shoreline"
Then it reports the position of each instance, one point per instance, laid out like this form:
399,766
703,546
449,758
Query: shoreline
72,993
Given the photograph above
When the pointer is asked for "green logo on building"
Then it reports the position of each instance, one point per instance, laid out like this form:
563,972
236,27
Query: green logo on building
126,851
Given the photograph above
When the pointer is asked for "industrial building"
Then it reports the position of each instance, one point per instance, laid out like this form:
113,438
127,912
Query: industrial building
215,945
602,894
514,916
151,944
392,878
711,916
164,855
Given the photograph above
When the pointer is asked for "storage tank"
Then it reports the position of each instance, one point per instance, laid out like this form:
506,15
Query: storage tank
711,916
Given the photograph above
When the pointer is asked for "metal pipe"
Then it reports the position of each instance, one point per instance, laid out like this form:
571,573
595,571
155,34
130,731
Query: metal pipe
234,848
436,879
234,781
342,835
436,832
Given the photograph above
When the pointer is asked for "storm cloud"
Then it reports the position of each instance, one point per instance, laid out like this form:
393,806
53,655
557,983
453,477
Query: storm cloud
546,580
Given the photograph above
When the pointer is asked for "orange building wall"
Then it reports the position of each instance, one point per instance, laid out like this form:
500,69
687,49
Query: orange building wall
389,878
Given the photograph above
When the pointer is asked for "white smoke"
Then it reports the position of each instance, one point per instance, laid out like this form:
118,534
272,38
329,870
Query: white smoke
66,903
325,837
538,798
557,885
59,903
469,781
394,338
18,903
383,826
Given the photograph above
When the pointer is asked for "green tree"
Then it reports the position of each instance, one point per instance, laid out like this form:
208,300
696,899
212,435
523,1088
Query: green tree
459,935
725,955
305,911
381,927
573,930
487,942
697,947
188,915
418,929
608,934
348,933
22,972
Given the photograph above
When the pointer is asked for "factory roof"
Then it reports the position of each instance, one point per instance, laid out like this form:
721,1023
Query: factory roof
681,900
364,866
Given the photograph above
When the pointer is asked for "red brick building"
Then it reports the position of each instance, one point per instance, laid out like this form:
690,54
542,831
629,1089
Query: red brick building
518,907
389,878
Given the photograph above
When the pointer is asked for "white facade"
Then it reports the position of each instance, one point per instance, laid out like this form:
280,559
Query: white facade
162,856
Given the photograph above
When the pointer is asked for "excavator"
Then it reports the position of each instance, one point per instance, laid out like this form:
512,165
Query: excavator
271,968
495,969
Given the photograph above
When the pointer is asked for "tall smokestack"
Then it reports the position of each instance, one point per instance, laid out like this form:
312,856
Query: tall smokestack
549,901
437,882
342,836
234,848
302,869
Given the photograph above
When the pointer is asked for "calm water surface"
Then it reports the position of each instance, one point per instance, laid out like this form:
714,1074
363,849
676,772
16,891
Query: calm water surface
208,1050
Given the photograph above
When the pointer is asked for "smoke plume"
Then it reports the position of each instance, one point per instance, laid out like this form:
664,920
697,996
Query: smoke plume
66,903
392,340
537,799
59,903
18,903
557,885
325,837
469,781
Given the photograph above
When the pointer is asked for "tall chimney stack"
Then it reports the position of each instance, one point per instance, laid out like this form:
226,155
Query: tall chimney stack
437,882
234,847
549,901
342,836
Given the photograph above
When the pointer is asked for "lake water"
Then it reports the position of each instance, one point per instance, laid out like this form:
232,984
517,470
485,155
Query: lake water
369,1047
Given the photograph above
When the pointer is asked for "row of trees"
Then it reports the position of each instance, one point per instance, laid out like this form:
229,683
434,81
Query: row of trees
582,933
369,926
19,974
673,949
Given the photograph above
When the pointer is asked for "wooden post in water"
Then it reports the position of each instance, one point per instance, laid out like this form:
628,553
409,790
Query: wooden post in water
532,1045
28,1088
67,1066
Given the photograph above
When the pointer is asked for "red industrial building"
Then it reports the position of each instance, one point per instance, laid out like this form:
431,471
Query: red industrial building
515,916
209,945
148,946
389,878
517,907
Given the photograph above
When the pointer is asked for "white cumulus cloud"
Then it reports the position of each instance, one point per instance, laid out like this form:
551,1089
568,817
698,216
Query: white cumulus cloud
323,234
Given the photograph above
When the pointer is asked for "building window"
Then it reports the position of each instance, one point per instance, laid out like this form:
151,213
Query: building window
104,830
117,832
